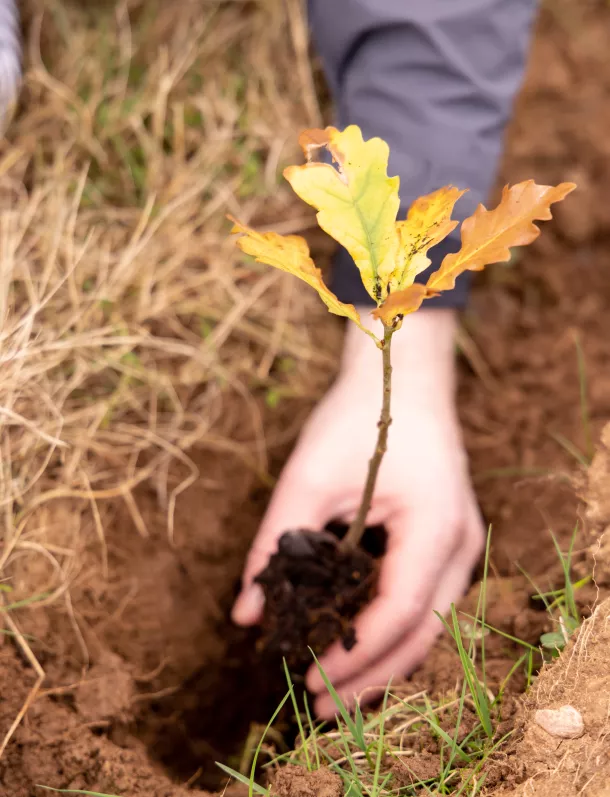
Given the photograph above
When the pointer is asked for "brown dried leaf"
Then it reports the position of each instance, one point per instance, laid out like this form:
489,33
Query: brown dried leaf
313,139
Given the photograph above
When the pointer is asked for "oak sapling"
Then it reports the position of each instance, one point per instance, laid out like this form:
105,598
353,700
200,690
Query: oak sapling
315,585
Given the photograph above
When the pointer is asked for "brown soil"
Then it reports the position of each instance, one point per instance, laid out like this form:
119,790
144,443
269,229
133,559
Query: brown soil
293,781
56,746
143,665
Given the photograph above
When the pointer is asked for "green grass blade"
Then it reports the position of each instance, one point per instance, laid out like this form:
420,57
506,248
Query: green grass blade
374,722
566,564
435,725
297,715
380,741
530,670
476,787
359,720
348,753
483,603
25,602
250,782
477,691
558,595
260,744
458,722
584,403
572,450
354,787
312,729
75,791
233,773
356,732
436,728
480,764
495,630
539,592
521,660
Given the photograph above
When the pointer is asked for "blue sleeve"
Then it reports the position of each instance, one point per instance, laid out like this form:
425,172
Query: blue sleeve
436,79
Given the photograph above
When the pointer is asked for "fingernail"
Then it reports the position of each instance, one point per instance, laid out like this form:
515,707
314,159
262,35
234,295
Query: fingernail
248,606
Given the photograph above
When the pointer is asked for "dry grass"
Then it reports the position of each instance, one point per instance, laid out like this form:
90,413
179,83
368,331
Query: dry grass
130,331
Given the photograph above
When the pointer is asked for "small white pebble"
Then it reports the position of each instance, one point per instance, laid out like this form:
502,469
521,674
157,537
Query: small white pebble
565,722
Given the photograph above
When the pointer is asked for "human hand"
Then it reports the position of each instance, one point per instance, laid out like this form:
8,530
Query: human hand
423,498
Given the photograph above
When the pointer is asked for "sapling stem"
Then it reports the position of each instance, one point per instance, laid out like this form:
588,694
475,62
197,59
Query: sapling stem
356,530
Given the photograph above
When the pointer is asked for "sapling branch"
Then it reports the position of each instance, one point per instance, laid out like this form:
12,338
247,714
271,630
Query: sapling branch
389,253
356,530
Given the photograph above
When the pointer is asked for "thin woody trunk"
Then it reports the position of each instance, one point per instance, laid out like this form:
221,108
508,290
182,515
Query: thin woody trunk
356,530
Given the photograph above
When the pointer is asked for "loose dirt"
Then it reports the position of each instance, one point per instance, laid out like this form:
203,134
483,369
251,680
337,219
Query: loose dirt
291,781
145,675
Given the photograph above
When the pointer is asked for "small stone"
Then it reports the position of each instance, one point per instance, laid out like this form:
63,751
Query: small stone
565,722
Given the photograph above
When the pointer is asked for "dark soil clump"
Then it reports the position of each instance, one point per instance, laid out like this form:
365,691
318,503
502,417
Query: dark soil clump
313,590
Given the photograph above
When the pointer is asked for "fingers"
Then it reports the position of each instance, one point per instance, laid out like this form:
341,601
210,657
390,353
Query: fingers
406,656
421,543
292,507
393,667
248,607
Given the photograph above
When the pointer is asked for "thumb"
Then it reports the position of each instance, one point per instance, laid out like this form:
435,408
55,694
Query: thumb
291,508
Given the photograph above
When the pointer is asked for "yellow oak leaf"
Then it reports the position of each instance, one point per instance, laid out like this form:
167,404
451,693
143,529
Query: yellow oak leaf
428,223
290,253
356,201
487,235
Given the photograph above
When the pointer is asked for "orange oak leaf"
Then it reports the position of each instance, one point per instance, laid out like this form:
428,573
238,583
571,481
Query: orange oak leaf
487,235
401,303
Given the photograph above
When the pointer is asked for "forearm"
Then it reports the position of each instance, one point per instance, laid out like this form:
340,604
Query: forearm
437,81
